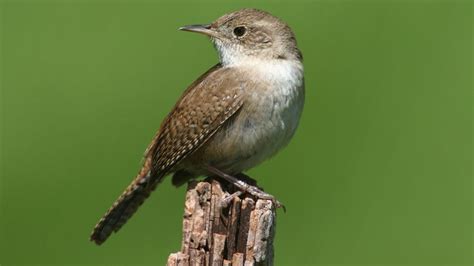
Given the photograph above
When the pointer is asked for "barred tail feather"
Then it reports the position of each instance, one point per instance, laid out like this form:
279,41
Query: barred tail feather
124,207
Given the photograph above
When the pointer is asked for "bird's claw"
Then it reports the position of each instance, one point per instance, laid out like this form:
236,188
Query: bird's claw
260,194
226,200
278,204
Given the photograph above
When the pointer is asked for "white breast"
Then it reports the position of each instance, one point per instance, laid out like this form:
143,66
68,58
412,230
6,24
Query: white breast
271,114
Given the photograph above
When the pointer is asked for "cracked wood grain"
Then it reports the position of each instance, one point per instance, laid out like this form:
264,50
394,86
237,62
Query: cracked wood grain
240,233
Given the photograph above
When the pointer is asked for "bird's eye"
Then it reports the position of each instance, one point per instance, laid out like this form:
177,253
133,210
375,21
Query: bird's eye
239,31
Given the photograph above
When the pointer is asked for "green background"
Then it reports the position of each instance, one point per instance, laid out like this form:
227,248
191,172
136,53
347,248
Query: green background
379,172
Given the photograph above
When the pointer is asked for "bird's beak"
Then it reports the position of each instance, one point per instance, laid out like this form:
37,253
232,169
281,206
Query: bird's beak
201,28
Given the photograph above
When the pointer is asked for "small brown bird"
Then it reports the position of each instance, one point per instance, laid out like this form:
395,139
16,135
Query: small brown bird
233,117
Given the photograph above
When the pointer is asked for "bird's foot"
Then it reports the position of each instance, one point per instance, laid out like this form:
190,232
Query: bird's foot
226,201
260,194
244,187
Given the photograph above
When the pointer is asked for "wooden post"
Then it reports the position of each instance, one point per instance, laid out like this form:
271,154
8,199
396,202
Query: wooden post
237,231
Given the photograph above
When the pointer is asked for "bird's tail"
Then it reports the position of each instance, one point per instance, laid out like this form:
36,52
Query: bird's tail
125,206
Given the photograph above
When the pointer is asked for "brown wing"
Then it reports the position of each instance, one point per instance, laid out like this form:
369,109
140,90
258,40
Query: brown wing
200,112
196,117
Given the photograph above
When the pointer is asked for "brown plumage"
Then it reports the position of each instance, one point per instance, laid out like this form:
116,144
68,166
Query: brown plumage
191,122
233,117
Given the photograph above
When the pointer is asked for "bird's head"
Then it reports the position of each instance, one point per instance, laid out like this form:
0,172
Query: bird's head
250,34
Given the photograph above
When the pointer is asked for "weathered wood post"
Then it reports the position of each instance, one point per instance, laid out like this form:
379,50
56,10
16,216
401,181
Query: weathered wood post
222,228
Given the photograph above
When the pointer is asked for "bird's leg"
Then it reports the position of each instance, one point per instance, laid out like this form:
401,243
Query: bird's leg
252,190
